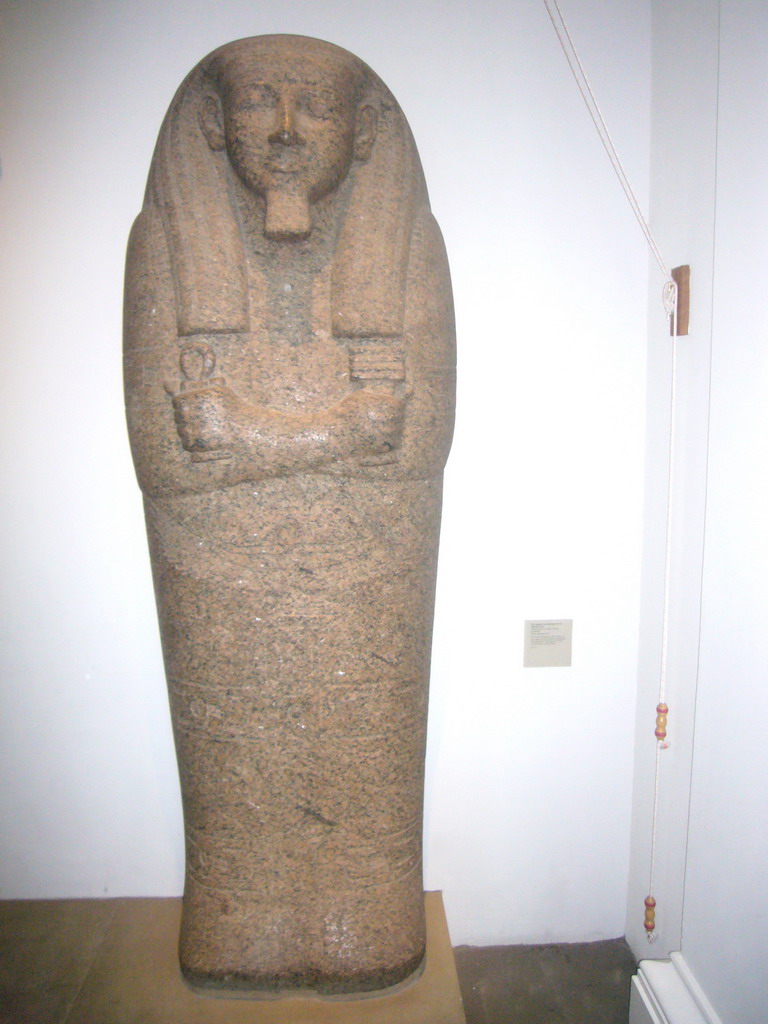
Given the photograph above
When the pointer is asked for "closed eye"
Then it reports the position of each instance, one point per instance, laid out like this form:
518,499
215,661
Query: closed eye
321,104
261,97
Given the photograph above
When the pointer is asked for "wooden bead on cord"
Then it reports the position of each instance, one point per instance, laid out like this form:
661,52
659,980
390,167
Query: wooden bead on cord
661,722
650,914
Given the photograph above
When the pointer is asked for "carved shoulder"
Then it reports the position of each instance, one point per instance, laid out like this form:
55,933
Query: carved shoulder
430,342
150,354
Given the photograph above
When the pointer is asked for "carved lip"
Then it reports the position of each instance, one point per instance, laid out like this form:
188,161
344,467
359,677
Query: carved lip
282,169
288,161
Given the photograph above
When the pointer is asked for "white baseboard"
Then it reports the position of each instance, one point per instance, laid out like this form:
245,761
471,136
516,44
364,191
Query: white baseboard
666,992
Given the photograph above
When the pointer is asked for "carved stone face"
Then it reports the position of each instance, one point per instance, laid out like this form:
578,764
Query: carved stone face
291,129
283,133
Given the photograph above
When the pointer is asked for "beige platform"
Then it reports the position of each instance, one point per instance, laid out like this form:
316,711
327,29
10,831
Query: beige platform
130,975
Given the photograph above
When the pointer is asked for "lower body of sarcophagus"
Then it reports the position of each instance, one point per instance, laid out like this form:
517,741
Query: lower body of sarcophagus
296,620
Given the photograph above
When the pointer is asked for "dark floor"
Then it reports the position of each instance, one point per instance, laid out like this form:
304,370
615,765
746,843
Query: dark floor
84,961
580,983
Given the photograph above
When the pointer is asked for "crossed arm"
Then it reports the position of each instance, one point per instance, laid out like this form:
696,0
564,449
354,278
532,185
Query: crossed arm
214,422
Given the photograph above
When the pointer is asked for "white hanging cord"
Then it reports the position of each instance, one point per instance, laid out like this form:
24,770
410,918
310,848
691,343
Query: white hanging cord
661,708
669,524
670,300
564,36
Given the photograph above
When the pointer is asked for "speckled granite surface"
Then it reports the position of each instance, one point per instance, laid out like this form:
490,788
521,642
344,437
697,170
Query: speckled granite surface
289,371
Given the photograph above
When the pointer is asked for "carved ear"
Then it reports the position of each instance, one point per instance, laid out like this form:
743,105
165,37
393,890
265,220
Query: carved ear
365,134
210,120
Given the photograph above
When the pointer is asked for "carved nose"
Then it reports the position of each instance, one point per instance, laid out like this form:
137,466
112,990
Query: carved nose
285,133
283,137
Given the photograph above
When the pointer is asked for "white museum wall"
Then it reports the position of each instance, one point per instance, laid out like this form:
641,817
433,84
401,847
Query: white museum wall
529,771
708,202
725,913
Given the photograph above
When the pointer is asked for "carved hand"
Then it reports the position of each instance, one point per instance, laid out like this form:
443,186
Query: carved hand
205,417
374,420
